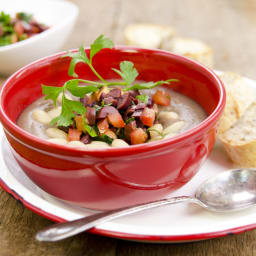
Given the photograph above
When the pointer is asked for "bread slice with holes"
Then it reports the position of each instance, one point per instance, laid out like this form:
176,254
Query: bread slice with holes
239,97
148,35
240,140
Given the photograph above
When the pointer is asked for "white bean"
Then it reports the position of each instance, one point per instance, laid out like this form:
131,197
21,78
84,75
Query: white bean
167,116
97,145
155,138
54,112
174,128
58,141
169,135
76,143
41,116
155,130
119,143
56,133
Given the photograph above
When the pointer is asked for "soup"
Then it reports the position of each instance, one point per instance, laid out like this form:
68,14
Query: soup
118,118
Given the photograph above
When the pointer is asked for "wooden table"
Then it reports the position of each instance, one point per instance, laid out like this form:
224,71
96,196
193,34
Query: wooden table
229,27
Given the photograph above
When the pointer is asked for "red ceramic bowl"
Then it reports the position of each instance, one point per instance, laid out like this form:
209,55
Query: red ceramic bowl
116,177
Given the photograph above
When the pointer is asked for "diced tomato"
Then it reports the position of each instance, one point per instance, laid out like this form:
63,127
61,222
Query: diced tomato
131,126
103,125
35,29
138,136
111,134
73,134
148,117
161,98
79,123
116,120
18,28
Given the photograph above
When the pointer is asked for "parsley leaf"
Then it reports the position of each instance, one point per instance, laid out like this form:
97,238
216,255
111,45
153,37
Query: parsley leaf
77,57
129,120
67,112
5,18
5,40
120,133
128,71
71,107
142,98
79,91
99,44
51,92
97,108
91,131
104,138
148,85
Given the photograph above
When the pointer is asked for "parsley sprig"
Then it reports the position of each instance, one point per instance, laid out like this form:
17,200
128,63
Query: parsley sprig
81,56
127,72
70,107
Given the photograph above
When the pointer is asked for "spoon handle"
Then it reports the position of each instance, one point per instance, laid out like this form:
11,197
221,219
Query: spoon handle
64,230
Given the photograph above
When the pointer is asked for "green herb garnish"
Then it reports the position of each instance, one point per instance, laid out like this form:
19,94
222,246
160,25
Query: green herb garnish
143,98
149,85
5,18
6,29
129,120
67,112
104,138
127,71
71,107
5,40
81,56
24,16
90,129
68,106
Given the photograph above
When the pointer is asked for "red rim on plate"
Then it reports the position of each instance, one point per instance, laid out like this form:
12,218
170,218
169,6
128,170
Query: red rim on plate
135,237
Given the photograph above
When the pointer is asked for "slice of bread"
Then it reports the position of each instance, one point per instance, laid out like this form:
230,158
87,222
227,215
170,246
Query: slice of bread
148,35
240,140
239,96
192,48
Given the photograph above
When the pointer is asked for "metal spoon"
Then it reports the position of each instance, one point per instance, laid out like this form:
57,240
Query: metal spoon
229,191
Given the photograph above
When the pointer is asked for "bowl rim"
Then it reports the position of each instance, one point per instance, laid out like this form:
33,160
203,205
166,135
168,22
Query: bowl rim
73,13
186,135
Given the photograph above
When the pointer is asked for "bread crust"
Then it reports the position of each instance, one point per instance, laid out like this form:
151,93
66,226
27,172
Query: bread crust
239,97
241,154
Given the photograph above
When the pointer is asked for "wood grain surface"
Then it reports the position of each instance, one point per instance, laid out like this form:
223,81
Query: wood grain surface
229,26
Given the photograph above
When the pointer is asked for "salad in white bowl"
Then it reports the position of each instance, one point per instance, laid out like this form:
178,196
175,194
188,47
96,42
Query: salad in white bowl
53,19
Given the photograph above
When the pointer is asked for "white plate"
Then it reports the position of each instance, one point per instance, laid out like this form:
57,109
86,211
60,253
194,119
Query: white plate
173,223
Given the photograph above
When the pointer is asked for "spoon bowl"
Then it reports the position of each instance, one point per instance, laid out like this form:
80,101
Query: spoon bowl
229,191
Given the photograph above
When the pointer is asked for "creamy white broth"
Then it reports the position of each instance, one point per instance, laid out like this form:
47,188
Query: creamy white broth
188,110
29,124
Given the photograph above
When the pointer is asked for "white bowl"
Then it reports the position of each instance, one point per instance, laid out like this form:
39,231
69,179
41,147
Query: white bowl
60,15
